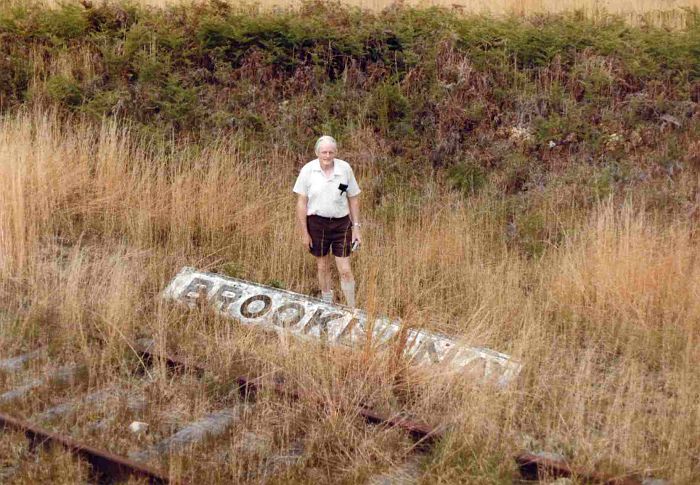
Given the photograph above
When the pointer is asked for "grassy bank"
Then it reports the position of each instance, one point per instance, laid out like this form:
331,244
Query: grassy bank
547,114
673,14
529,185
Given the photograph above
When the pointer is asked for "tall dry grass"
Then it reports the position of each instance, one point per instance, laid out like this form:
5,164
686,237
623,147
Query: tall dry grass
93,223
668,13
521,7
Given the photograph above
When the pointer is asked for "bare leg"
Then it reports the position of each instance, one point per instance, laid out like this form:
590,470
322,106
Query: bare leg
323,263
347,281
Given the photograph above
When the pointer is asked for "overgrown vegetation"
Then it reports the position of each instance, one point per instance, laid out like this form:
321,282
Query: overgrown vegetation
530,185
512,106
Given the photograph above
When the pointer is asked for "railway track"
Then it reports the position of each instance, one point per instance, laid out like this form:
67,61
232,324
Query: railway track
109,467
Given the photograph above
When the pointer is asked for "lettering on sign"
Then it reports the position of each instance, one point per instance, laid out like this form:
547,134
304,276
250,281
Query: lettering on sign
311,318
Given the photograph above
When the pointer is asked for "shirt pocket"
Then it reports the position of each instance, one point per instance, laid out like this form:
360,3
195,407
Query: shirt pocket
342,188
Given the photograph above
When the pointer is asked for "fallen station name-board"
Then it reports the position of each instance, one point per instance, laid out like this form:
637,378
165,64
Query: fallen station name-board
311,318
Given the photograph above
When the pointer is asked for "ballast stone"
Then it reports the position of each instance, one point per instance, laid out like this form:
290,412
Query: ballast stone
14,364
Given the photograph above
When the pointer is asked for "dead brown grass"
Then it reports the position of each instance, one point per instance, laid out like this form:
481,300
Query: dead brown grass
480,6
667,13
93,224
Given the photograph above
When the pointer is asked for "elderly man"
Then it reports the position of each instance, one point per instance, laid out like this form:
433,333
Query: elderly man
328,216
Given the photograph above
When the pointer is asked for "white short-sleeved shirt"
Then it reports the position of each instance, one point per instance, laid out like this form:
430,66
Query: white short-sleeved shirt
327,197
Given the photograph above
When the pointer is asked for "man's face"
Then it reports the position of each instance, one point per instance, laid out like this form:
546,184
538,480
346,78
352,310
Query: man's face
326,152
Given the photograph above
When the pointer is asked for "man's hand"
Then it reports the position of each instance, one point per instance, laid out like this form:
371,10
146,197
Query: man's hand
301,221
356,236
306,240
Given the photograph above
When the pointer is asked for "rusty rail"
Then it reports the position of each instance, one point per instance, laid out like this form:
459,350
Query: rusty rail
103,463
530,466
109,466
536,467
248,386
422,433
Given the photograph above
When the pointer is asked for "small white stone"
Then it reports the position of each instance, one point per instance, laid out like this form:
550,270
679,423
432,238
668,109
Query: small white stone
548,455
552,144
654,481
138,427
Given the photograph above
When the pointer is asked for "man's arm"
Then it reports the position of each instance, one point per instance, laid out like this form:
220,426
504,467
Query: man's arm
302,201
355,216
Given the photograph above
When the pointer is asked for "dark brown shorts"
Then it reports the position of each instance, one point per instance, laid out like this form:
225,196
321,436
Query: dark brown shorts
330,233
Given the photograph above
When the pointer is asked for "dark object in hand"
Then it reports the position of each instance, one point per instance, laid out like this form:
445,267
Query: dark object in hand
355,245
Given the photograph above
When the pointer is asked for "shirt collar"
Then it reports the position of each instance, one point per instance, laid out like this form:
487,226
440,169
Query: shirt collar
316,167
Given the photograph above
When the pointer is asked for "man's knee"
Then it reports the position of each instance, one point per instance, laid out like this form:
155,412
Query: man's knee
345,271
323,263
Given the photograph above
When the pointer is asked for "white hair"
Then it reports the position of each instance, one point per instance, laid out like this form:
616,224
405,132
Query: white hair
325,140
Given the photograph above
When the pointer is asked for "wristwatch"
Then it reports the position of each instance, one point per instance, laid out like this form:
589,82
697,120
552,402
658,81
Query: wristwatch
356,224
